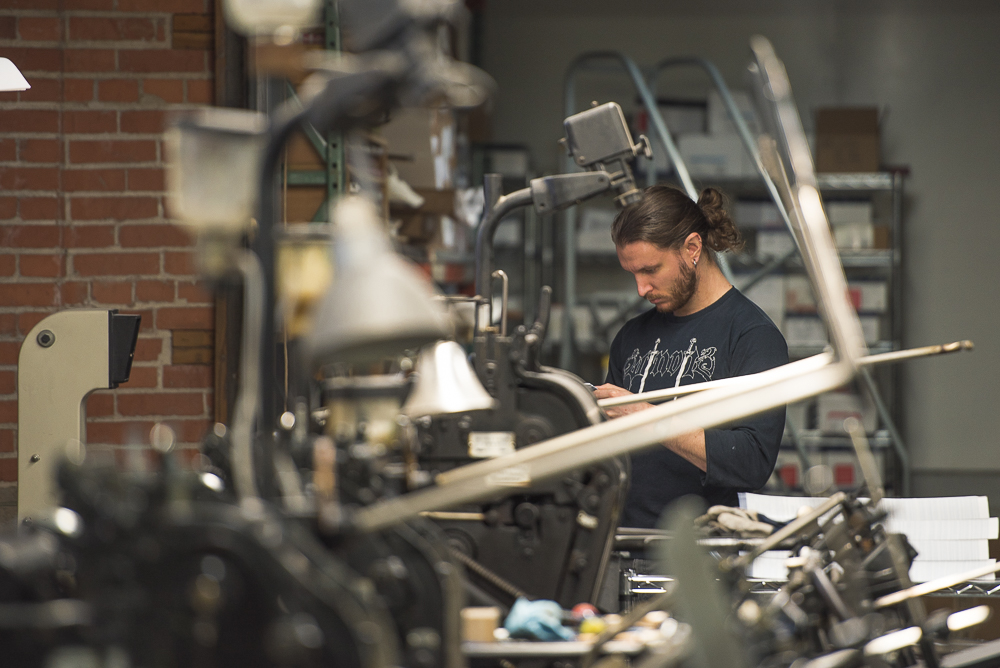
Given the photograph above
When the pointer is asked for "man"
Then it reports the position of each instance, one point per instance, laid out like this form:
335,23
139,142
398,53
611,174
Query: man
701,329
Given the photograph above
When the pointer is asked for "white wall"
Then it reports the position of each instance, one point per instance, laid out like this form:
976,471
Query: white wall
933,69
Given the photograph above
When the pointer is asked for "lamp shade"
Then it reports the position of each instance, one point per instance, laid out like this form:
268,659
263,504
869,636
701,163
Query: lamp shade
378,305
446,383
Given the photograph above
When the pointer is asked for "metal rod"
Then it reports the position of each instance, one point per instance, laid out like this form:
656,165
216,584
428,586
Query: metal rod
933,586
502,275
869,360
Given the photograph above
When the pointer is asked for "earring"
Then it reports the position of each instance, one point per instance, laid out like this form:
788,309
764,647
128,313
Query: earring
696,263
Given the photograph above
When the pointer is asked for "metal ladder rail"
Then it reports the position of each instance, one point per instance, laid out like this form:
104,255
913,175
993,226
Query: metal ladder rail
662,132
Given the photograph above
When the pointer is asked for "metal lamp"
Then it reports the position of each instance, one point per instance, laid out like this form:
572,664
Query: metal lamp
446,384
213,167
378,305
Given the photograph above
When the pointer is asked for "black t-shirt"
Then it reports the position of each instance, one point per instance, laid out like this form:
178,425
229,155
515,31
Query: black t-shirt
731,337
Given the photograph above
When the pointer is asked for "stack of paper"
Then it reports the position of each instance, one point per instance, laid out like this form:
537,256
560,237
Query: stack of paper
951,534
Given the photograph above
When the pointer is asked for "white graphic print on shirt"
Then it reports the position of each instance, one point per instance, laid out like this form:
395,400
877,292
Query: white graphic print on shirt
691,363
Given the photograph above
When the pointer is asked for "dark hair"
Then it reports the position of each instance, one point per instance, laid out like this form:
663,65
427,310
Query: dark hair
666,216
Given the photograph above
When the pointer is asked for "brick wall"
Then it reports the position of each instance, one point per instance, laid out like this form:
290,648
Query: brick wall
82,221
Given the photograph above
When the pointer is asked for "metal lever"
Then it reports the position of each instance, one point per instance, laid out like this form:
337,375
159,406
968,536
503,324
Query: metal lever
502,275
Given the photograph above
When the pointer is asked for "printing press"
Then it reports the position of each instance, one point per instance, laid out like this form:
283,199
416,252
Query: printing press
353,530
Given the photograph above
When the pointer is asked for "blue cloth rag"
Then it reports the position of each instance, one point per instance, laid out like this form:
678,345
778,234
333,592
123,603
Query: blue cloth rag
537,620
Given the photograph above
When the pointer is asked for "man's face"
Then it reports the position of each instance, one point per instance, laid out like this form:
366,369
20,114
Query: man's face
661,276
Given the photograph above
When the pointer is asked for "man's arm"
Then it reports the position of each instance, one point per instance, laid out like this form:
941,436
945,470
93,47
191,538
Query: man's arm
690,446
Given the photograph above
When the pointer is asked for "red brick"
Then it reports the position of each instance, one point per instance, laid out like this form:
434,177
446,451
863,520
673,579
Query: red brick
182,263
142,377
29,178
75,122
154,291
29,294
30,236
137,150
75,180
10,96
27,321
168,90
194,293
73,293
8,324
41,208
190,431
100,404
153,236
32,59
42,90
8,411
191,317
8,207
89,4
42,265
8,263
78,90
41,150
172,6
116,264
8,382
89,236
8,470
118,433
118,90
116,208
39,28
29,120
146,179
8,150
143,121
111,292
90,60
6,440
200,91
161,403
148,350
91,28
9,350
8,27
187,375
162,60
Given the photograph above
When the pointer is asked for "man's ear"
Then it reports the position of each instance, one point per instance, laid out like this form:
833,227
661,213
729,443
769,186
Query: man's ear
693,245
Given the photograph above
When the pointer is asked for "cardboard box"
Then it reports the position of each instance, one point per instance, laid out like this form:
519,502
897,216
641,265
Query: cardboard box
850,212
774,243
805,331
719,120
833,408
869,296
757,215
799,297
711,156
769,294
847,139
421,144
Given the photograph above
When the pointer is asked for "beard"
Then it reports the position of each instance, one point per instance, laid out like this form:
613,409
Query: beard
678,294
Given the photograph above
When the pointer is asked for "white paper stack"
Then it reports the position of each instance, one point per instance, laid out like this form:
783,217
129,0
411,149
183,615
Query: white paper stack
950,534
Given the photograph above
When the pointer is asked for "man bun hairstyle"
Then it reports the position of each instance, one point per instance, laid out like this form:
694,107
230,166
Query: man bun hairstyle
666,216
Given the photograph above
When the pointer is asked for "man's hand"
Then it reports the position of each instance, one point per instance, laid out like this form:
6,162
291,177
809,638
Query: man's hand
609,390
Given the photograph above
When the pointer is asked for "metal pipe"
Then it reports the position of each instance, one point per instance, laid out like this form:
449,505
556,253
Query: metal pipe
869,360
504,294
484,241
